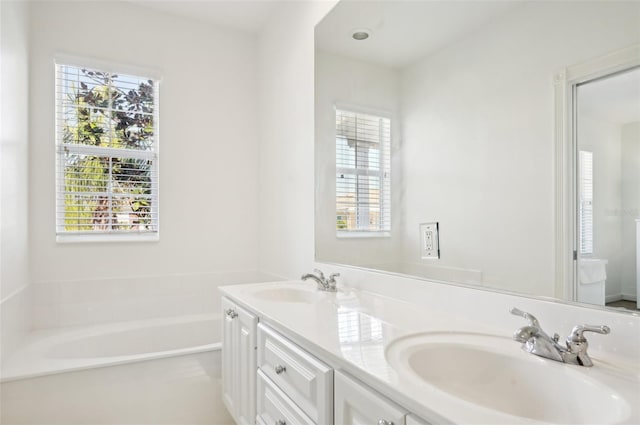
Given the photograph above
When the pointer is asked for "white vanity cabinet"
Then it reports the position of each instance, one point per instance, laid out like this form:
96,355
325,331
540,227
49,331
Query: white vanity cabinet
305,381
239,362
267,379
275,407
357,404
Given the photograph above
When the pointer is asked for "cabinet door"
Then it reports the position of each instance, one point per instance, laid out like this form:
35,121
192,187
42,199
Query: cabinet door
229,354
239,362
357,404
246,344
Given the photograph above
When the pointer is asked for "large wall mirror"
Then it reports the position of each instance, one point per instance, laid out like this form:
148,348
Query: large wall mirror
436,145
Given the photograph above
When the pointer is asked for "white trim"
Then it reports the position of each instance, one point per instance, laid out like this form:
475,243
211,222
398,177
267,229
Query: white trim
613,298
360,109
107,66
155,183
383,173
107,237
351,234
63,236
565,84
110,152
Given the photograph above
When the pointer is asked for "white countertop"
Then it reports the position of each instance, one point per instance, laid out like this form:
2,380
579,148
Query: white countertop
351,330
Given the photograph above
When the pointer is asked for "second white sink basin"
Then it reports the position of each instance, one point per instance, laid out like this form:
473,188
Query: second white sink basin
289,295
493,372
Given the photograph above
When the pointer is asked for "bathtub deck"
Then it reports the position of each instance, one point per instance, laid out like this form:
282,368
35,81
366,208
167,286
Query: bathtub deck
33,358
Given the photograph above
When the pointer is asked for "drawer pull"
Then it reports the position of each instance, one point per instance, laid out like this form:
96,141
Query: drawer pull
280,369
280,422
231,313
384,422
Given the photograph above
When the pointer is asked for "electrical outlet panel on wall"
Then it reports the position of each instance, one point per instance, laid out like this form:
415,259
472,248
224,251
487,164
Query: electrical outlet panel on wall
429,241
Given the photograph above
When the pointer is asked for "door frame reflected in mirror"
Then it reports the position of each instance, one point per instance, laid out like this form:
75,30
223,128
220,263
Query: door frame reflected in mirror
566,82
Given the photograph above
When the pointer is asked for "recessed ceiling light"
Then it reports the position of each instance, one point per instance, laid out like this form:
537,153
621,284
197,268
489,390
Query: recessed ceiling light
361,34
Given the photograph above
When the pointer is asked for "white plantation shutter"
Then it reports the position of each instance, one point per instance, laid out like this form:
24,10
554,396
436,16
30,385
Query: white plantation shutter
363,172
586,202
107,158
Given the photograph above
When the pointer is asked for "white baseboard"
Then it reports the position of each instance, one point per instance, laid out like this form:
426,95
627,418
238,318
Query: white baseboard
620,297
613,298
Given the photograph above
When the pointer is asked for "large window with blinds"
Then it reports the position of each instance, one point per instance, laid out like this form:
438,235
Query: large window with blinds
107,155
363,174
585,219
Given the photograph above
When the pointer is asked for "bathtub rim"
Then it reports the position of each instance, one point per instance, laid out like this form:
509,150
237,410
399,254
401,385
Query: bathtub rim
15,368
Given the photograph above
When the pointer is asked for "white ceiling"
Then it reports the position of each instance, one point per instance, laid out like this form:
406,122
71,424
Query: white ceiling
403,31
615,99
244,15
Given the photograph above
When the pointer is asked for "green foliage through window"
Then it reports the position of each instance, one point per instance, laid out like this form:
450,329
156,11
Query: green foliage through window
106,152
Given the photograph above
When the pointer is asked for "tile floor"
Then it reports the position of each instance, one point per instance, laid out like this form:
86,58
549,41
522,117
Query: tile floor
630,305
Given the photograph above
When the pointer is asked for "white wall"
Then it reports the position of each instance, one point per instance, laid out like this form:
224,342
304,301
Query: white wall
480,114
208,158
15,299
345,81
286,166
630,171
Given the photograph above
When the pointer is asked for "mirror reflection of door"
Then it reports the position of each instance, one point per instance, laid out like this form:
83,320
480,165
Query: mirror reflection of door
608,190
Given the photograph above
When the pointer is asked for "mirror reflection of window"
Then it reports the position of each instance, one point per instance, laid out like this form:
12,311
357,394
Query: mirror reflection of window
363,171
355,328
361,338
473,138
586,202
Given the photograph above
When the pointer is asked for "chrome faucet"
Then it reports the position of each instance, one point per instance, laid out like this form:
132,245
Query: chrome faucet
323,283
536,341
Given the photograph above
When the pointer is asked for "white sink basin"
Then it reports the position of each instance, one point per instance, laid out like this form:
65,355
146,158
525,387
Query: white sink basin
289,295
493,372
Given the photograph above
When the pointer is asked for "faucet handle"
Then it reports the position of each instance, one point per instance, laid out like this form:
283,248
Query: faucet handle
319,273
332,280
578,330
528,316
577,344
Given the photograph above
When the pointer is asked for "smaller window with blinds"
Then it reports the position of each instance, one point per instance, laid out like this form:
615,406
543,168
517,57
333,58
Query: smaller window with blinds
363,174
107,155
585,219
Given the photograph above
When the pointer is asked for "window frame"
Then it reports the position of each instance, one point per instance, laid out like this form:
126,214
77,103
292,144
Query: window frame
356,233
64,236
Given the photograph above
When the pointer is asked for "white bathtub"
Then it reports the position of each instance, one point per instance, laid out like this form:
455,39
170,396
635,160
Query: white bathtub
183,389
69,349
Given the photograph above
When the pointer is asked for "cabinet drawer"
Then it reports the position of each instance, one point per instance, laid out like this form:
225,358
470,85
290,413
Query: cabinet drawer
305,379
275,408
